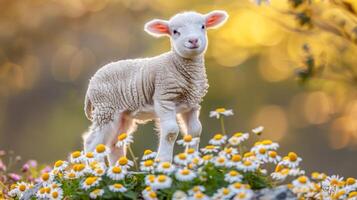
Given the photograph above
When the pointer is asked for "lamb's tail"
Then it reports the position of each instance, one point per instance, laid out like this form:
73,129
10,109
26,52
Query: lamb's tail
88,107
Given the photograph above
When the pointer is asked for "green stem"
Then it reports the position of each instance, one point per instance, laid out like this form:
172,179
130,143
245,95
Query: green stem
132,155
222,126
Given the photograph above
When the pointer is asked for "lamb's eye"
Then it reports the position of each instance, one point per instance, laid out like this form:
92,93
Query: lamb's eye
176,32
203,27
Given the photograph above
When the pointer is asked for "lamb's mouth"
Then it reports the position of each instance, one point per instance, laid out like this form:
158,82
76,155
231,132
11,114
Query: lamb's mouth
192,47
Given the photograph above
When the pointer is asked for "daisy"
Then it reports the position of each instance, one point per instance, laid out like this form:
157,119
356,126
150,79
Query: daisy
220,161
218,139
165,167
228,152
150,195
76,157
238,187
101,151
270,145
210,149
188,141
223,193
185,175
99,171
258,130
273,157
117,187
150,180
125,163
280,175
89,157
302,183
20,188
198,196
179,195
60,165
261,153
162,182
296,172
96,193
70,175
124,139
197,188
235,161
195,162
351,184
46,178
292,160
318,176
147,165
79,169
243,195
333,181
207,158
221,111
352,195
43,192
148,154
56,194
192,153
90,182
116,173
181,159
238,138
248,166
233,176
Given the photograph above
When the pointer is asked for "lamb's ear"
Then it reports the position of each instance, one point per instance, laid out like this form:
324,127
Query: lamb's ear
157,28
216,18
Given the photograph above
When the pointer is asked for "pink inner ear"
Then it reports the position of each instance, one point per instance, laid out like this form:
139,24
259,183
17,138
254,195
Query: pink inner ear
160,28
212,20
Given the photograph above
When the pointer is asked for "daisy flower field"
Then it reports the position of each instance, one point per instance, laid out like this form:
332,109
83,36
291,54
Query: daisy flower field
226,168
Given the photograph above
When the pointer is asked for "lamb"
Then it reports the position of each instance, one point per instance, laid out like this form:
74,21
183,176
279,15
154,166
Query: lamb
167,88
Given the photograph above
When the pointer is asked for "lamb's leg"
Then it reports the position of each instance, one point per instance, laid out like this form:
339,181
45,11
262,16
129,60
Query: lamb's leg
102,129
126,125
190,124
169,129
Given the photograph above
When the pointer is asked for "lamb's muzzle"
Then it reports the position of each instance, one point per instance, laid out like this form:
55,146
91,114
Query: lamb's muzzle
164,88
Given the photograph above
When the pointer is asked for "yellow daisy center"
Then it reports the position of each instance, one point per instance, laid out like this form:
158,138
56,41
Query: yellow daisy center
241,195
58,163
182,156
207,157
117,185
237,185
247,163
220,110
233,173
48,190
116,170
210,147
148,163
239,134
55,194
161,178
151,178
78,167
225,191
185,172
199,195
76,154
122,136
42,190
100,148
221,160
273,154
90,180
267,142
228,150
190,150
248,154
72,175
334,182
218,137
123,161
45,176
99,171
350,181
22,188
352,194
147,152
236,158
187,138
166,165
292,156
90,155
302,179
262,150
152,195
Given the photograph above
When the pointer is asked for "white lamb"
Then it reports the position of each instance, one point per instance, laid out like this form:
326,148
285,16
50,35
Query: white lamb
164,88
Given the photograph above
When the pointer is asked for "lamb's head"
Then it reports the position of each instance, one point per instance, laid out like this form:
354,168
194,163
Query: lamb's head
187,30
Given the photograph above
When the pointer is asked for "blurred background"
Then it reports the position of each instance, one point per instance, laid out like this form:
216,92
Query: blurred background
286,66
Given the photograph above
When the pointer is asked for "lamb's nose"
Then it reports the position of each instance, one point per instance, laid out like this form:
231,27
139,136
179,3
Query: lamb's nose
193,41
